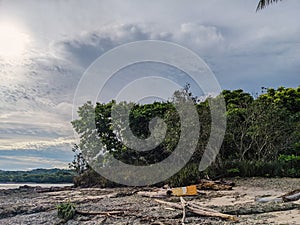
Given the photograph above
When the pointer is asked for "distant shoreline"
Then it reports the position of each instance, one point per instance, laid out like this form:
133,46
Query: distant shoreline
47,176
16,185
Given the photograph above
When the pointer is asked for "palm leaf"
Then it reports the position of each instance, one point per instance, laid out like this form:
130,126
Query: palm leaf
263,3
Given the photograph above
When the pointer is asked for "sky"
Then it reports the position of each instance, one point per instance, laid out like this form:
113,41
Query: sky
46,46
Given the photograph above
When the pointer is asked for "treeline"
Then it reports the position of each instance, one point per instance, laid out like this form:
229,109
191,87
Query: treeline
37,176
262,134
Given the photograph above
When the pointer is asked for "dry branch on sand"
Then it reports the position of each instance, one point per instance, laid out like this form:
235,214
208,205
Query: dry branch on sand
249,209
183,204
108,213
291,196
288,197
156,194
199,210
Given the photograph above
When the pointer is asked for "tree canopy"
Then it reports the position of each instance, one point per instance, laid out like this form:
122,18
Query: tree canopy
261,139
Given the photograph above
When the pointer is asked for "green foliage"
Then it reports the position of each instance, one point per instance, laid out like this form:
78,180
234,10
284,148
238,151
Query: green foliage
288,98
252,168
261,128
38,176
90,178
79,164
233,172
262,135
186,176
292,164
289,158
66,211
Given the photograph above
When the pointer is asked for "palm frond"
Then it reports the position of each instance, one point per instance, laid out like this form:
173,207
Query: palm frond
263,3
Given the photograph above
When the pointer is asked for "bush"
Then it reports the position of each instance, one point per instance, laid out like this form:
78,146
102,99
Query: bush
90,178
66,211
186,176
283,167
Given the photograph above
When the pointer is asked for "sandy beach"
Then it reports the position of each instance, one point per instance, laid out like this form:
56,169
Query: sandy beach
28,205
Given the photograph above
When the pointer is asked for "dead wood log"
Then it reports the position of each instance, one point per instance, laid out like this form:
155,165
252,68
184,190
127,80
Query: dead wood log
155,194
171,204
194,205
81,199
213,214
288,197
95,198
291,196
86,213
202,212
108,213
39,189
248,209
269,199
183,203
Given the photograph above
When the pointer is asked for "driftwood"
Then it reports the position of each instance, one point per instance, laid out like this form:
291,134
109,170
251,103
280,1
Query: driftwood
199,211
196,206
109,213
215,185
248,209
155,194
288,197
291,196
95,198
89,213
40,189
269,199
183,204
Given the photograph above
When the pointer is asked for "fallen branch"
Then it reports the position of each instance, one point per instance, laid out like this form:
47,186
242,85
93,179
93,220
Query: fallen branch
291,196
199,211
155,194
171,204
212,214
269,199
194,205
108,213
247,209
183,204
96,198
40,189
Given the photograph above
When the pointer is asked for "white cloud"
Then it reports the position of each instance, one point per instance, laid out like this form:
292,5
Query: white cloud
29,142
29,163
199,36
245,49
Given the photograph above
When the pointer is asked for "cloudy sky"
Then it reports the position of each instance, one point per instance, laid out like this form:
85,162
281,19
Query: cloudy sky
45,47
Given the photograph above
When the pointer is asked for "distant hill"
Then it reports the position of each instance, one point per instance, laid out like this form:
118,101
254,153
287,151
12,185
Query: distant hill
38,176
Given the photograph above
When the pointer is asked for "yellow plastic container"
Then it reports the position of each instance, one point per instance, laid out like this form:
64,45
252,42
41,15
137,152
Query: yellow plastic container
183,191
